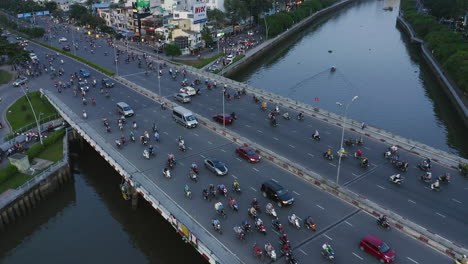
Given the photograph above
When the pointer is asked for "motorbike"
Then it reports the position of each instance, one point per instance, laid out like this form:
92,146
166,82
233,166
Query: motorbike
426,177
257,251
118,143
188,194
363,164
236,188
274,123
234,205
85,115
424,166
290,258
400,165
300,117
171,163
146,154
286,116
310,224
277,226
216,226
166,174
193,176
270,210
435,186
329,157
222,191
260,228
270,251
252,215
182,147
350,142
396,178
132,138
195,169
316,137
444,178
328,255
383,223
294,222
388,154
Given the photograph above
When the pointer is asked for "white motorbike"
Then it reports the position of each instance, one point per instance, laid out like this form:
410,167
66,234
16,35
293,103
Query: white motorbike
396,178
85,115
295,222
270,210
270,251
167,174
146,154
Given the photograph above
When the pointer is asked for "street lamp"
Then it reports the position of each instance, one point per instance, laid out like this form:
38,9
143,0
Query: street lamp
159,85
116,60
224,118
342,137
34,113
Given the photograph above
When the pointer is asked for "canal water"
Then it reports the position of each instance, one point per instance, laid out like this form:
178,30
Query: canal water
87,221
375,61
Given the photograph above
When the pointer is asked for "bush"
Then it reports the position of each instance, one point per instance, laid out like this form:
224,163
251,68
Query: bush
33,151
7,172
37,148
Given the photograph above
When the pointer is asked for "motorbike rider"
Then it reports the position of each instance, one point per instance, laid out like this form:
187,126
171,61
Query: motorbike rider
212,190
393,149
275,222
427,163
233,115
328,153
427,175
167,172
222,189
253,212
232,201
396,178
255,203
151,149
235,185
219,207
316,135
309,221
216,223
435,185
117,142
293,218
246,225
364,162
171,159
327,249
269,207
360,141
445,177
186,189
464,260
258,223
358,153
286,115
194,167
205,194
383,219
342,152
284,239
300,116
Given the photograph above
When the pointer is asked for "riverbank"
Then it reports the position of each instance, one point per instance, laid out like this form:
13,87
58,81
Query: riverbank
454,93
280,39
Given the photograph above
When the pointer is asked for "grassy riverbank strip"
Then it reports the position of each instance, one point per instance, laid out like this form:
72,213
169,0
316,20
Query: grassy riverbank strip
447,46
5,77
200,63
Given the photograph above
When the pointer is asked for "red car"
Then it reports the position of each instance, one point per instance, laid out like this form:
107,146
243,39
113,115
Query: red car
66,48
227,119
248,153
377,248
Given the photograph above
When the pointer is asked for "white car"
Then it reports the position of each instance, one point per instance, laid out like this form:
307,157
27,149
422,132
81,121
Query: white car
188,90
20,81
33,56
62,39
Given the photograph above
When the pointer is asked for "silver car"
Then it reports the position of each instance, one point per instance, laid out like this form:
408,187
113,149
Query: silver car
216,166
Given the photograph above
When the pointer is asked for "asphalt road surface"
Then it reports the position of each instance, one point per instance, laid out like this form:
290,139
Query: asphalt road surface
338,222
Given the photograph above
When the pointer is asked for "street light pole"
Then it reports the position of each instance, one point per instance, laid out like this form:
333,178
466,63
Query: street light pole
115,60
34,113
73,40
342,137
159,85
224,118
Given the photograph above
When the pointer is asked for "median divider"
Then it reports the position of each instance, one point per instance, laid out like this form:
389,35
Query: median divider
404,225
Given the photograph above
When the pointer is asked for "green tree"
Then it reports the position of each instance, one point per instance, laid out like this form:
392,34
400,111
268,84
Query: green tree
216,18
172,50
444,8
207,36
78,12
236,10
51,6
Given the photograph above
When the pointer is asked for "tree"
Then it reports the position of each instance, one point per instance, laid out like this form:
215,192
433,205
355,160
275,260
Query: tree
172,50
257,7
51,6
236,10
78,11
445,8
216,17
207,36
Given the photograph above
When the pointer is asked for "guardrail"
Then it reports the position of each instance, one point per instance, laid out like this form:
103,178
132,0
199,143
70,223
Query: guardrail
27,186
30,126
208,245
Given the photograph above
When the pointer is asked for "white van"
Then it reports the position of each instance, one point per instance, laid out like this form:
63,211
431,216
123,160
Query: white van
230,59
184,117
188,90
182,97
124,109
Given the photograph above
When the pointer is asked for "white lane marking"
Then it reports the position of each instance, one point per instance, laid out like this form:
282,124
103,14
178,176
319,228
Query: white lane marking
209,108
238,159
196,134
255,169
455,200
234,176
275,180
380,187
326,132
252,188
181,163
222,150
354,174
247,125
441,215
296,193
373,164
259,131
348,223
303,252
332,164
154,111
164,117
329,146
209,142
292,146
190,148
275,138
367,148
202,156
320,207
309,125
414,261
329,238
411,201
312,155
165,133
294,131
144,105
357,256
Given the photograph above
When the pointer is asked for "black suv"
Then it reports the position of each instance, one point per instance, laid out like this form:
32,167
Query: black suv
277,193
107,83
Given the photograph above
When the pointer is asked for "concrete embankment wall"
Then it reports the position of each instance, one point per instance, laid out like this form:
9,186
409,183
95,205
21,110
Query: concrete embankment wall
282,38
17,203
449,86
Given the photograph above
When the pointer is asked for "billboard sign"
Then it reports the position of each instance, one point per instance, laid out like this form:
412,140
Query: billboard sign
143,6
199,13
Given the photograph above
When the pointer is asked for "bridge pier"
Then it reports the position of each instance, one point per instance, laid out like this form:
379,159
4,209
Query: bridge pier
134,198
